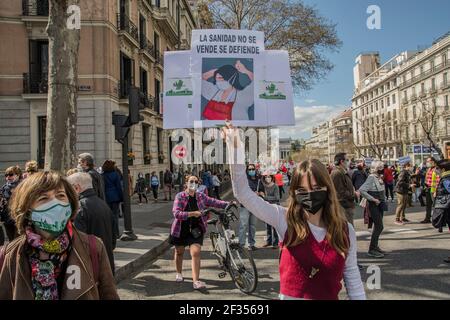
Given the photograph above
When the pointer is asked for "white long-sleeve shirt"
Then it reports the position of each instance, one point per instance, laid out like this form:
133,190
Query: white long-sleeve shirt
275,215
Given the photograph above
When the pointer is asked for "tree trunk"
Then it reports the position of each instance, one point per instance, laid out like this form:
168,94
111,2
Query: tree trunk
62,88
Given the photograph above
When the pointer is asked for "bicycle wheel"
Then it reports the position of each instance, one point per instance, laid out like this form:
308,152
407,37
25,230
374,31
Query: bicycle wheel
242,269
215,252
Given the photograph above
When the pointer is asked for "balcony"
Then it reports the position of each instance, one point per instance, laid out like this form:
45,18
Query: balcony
426,74
445,86
432,91
35,8
128,28
165,21
35,82
159,58
124,88
422,94
413,97
404,101
147,47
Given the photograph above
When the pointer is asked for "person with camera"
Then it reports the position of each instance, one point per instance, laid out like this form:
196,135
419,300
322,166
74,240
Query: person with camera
189,227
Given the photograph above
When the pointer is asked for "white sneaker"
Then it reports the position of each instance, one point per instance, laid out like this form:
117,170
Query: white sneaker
179,278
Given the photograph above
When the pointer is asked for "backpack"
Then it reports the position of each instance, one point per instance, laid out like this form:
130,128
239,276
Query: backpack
92,252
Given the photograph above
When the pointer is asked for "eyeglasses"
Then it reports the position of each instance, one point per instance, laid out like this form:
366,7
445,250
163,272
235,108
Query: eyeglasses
9,174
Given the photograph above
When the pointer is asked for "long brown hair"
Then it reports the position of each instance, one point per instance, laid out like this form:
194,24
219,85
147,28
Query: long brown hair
332,215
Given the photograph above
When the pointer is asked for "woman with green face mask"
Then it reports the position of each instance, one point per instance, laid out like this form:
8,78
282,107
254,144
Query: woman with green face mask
51,259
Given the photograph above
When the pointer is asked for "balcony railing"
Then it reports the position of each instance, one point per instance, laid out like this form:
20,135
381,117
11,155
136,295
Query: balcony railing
422,94
147,46
432,91
413,97
445,85
35,7
125,24
124,88
35,82
404,101
159,57
426,74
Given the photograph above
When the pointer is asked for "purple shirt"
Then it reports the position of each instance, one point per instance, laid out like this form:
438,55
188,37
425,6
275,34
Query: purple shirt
180,203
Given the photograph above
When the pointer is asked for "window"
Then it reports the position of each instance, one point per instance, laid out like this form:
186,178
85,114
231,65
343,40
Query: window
414,112
393,99
382,104
421,69
126,75
38,67
390,133
388,86
445,79
444,58
406,114
143,84
432,65
142,31
448,126
146,142
160,144
422,88
371,108
376,106
156,44
388,101
415,131
446,102
394,114
433,84
157,92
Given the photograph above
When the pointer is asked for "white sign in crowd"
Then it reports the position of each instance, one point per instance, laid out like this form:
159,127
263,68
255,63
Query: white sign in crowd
227,75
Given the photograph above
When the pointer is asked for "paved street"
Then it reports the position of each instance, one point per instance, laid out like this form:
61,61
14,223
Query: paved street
413,268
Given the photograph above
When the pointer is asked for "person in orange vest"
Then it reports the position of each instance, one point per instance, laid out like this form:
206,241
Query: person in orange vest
431,183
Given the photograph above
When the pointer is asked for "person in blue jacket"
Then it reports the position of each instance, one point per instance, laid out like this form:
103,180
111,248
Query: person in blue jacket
113,193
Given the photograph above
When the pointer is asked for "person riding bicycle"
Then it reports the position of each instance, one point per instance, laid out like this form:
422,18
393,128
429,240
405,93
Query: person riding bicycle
319,248
189,226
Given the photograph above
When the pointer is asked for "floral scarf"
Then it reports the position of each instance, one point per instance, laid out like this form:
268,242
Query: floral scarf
46,259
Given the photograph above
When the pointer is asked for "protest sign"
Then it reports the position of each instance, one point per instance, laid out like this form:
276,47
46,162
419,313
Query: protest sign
404,160
227,75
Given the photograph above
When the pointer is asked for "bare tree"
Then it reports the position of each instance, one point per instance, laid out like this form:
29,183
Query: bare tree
288,25
428,121
62,80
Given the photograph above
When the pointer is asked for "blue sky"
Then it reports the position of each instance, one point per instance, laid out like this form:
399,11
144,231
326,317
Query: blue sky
405,25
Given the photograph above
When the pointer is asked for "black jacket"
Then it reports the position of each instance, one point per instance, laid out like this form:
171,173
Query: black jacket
404,182
95,217
97,183
358,178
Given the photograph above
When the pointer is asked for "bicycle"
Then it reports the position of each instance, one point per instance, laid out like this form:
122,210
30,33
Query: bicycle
232,257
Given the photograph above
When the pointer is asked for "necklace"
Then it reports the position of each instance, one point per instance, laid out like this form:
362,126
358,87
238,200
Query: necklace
315,270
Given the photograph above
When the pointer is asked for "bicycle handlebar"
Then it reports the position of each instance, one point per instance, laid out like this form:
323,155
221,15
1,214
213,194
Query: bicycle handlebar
219,211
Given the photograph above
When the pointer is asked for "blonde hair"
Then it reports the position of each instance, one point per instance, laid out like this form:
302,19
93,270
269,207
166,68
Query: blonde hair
31,167
14,170
332,215
29,190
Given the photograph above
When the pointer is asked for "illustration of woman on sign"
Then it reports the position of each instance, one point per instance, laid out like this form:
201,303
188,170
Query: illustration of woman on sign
227,98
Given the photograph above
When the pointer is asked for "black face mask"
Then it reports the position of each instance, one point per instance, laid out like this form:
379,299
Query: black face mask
312,201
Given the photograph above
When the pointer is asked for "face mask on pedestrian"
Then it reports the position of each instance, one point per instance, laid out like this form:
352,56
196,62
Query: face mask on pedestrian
52,216
193,185
429,165
313,201
252,172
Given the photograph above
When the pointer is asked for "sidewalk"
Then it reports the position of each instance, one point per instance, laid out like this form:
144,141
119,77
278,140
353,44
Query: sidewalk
151,224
